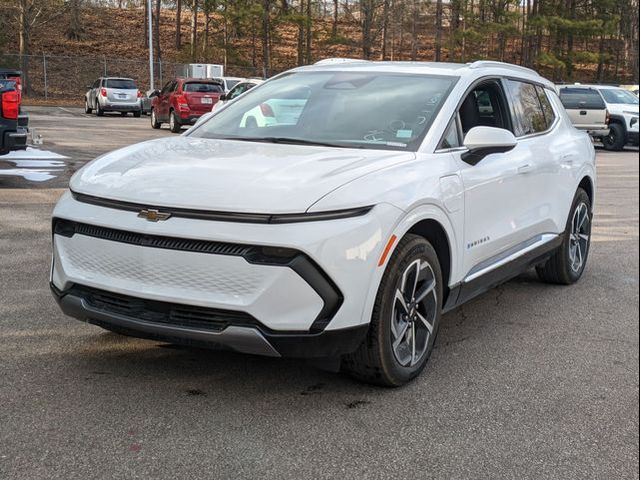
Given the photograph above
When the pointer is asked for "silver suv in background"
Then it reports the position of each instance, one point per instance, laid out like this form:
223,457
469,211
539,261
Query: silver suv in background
113,94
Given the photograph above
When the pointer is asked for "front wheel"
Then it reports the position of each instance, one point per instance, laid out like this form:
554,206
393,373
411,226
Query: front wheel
154,120
405,318
569,260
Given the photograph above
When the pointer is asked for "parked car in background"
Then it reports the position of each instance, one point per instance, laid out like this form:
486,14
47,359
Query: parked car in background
586,109
145,101
228,82
236,91
12,135
622,106
379,196
113,94
183,101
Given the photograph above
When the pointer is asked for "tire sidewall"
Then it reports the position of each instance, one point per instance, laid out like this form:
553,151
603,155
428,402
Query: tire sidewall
580,197
414,249
617,132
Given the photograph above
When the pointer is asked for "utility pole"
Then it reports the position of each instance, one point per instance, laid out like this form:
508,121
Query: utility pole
150,45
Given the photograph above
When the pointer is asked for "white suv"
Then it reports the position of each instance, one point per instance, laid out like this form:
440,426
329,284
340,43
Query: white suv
380,196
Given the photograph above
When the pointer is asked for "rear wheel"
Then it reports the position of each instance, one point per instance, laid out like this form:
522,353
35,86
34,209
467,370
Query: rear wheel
87,108
154,121
123,114
174,123
569,260
405,318
616,139
99,110
137,113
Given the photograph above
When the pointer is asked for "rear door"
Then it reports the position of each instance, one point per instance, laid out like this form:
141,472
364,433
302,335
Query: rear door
201,96
585,107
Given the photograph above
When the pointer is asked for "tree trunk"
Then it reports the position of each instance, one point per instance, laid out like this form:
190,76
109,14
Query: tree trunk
24,21
334,25
75,30
438,46
157,29
266,27
308,40
385,29
414,31
178,24
194,29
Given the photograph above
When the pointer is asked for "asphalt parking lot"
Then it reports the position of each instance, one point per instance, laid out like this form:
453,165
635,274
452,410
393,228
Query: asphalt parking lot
527,381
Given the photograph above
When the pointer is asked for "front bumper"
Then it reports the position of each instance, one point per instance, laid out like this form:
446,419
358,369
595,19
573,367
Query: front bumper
196,263
228,332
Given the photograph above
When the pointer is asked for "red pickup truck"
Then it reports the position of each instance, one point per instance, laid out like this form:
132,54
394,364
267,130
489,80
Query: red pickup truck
13,123
182,101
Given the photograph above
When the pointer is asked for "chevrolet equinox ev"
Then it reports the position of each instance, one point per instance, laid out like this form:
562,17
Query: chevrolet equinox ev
333,212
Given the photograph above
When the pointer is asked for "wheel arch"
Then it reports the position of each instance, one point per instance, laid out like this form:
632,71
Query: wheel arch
435,233
587,185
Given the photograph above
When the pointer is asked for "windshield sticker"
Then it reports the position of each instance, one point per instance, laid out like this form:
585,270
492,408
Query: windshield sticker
404,133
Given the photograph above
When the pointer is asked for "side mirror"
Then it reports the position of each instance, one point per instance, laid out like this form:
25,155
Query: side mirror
223,97
89,87
483,141
155,93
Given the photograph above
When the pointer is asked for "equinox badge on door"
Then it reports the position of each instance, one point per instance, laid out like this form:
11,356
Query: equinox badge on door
153,215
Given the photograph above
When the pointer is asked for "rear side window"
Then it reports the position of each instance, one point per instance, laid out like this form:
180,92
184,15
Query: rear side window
121,83
549,114
527,109
581,99
202,87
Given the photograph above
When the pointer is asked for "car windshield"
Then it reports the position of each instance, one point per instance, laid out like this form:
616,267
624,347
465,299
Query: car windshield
342,109
202,87
121,83
618,95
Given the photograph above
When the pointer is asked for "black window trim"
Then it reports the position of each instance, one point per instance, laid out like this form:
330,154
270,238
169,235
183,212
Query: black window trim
497,78
513,116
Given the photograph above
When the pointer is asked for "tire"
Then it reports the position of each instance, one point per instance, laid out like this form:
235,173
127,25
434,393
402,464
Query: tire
123,114
174,123
378,360
154,121
87,108
562,268
99,110
616,139
137,114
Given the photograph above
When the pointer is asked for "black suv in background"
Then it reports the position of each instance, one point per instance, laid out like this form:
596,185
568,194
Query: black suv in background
13,123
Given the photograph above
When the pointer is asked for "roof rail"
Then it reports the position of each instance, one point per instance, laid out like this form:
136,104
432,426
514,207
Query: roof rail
509,66
330,61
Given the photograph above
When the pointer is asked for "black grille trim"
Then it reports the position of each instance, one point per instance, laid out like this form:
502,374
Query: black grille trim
161,312
300,263
68,228
224,216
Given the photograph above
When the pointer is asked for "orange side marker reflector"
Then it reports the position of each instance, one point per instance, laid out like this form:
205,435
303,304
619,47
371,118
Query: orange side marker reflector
387,249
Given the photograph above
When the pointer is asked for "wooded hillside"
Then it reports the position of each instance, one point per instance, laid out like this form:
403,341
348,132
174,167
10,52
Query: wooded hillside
568,40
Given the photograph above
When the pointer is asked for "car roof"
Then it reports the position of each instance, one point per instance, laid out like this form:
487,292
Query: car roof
470,71
590,86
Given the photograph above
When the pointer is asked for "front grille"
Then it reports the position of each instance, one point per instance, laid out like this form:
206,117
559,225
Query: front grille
68,228
161,312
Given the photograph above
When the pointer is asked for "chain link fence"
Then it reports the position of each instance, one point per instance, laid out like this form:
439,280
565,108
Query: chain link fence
52,77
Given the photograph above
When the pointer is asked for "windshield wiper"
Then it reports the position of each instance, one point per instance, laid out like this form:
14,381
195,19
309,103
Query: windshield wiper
290,141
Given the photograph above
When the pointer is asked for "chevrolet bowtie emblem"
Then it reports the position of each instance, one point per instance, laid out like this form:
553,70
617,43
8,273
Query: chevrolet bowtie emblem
153,215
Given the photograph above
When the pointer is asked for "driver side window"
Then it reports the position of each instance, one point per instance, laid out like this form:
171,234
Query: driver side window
484,106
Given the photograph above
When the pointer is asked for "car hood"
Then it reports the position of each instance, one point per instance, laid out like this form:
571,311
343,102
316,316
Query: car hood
226,175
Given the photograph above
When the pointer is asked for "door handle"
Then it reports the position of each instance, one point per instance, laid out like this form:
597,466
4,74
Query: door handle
583,112
526,168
